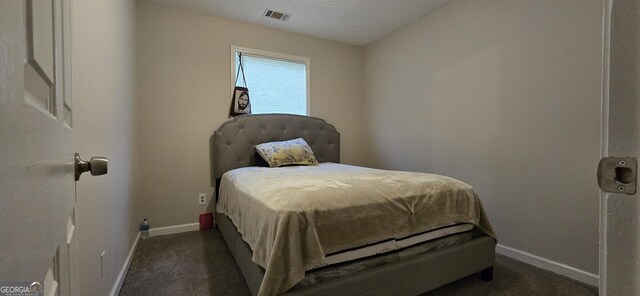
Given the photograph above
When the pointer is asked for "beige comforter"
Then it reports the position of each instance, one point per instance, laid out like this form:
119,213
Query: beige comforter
291,217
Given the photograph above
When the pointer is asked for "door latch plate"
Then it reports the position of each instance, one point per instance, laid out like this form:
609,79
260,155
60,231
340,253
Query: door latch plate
618,175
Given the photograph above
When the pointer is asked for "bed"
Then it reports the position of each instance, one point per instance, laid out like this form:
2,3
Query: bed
409,270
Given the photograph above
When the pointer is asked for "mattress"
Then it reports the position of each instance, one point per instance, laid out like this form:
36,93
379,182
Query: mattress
353,267
391,245
293,218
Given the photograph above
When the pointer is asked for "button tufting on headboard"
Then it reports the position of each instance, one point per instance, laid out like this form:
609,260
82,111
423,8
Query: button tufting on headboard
232,145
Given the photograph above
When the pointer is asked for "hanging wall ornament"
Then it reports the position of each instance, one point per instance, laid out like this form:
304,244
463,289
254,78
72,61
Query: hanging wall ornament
240,103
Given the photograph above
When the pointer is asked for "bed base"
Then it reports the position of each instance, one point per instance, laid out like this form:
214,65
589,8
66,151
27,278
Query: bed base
411,276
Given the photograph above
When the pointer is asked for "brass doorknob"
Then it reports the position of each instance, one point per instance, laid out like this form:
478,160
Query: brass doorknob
97,166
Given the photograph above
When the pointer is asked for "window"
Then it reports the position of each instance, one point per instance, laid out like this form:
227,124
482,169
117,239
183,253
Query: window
277,83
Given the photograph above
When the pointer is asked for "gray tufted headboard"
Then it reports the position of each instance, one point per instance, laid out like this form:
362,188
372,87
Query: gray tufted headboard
232,145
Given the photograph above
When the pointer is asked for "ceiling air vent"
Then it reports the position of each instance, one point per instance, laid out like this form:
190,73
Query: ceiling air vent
276,15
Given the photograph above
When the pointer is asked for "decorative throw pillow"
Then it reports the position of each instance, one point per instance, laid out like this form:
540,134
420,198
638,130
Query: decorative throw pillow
292,152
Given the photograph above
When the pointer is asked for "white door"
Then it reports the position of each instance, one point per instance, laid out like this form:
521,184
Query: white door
37,185
620,213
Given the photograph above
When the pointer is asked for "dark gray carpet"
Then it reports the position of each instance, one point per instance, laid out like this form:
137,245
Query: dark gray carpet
199,263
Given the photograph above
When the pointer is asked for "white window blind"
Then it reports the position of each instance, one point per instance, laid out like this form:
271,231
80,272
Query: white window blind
275,85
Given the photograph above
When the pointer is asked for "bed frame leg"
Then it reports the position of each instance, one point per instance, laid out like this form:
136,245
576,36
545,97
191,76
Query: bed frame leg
487,274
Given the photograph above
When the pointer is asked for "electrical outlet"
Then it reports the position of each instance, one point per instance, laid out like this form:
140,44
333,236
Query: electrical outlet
202,199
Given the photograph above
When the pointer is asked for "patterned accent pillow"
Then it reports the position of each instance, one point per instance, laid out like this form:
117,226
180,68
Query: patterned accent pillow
292,152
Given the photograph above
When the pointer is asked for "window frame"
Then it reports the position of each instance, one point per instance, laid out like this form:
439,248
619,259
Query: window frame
274,56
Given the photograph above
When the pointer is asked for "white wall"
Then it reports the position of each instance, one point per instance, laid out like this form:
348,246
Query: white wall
504,95
104,97
184,79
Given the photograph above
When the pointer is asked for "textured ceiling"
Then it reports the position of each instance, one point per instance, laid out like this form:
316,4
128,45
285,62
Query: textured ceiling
357,22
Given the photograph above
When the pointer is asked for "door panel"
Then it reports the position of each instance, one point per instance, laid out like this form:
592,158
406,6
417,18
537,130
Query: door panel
37,186
40,35
39,68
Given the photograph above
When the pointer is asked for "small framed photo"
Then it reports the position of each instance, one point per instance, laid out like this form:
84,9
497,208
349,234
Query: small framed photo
241,103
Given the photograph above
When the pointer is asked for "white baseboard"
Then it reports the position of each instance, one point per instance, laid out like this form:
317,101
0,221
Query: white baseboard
544,263
174,229
125,268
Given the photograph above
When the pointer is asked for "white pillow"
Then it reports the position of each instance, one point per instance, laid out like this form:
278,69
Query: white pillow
292,152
